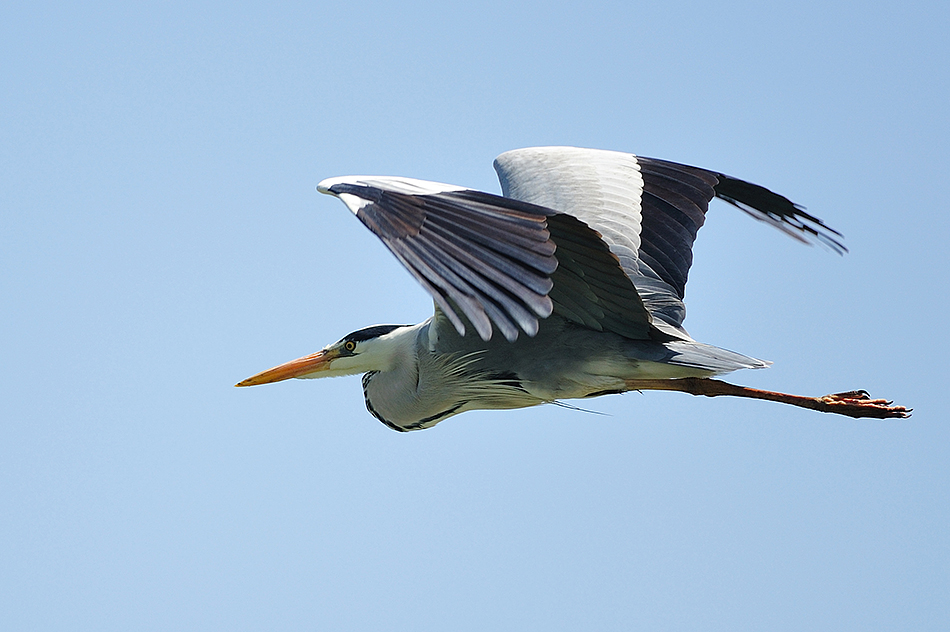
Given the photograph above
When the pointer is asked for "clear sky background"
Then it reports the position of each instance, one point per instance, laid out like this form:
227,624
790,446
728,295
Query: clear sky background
161,238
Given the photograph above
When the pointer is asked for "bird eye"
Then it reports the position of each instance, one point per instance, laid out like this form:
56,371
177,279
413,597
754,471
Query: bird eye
349,345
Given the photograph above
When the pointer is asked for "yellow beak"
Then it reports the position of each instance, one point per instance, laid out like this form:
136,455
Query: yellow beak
319,361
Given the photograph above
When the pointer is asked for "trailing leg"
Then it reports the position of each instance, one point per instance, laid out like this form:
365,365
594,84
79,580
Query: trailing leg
851,403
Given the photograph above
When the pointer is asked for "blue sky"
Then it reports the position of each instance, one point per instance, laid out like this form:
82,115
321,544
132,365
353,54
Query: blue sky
161,238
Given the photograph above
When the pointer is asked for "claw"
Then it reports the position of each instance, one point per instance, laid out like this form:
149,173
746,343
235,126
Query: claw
860,404
862,394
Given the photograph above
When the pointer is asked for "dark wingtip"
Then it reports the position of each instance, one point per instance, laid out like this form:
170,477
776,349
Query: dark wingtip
768,206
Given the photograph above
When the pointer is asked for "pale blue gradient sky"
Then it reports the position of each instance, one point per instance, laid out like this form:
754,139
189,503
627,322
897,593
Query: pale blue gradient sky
161,238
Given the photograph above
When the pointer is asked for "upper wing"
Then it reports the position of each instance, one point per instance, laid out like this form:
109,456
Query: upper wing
648,211
493,258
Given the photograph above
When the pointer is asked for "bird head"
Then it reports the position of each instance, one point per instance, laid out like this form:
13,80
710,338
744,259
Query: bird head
368,349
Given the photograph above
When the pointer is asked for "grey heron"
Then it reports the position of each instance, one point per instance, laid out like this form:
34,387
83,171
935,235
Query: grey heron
568,285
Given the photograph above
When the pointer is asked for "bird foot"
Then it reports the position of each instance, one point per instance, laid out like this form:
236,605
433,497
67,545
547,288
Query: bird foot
860,404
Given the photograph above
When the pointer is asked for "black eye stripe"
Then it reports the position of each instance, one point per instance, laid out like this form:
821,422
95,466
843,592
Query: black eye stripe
370,332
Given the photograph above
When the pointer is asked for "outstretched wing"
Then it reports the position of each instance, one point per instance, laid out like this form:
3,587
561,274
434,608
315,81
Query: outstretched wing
648,211
496,260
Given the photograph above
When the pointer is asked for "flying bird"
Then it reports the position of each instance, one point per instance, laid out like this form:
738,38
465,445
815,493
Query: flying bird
569,285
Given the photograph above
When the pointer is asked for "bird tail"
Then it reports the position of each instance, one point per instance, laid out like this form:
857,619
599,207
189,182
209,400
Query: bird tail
709,358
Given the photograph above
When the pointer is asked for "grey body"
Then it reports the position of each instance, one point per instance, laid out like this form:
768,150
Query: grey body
443,373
